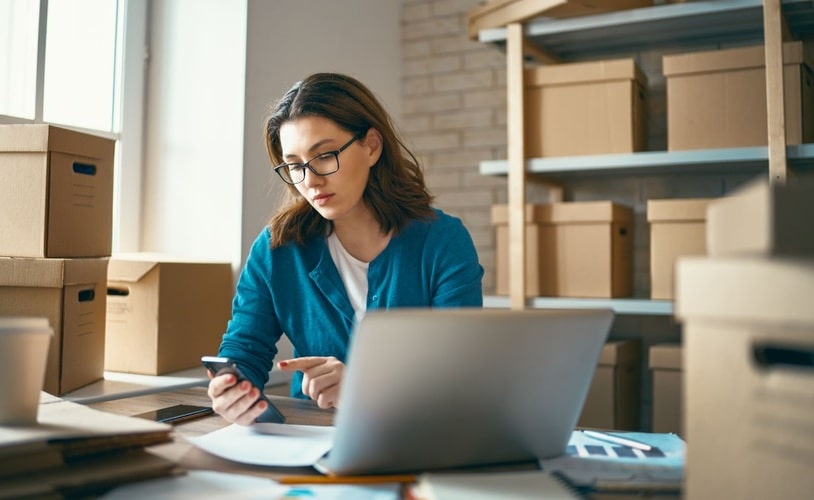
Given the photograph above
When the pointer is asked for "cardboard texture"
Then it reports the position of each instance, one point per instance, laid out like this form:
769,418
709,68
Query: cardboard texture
748,337
717,99
71,294
574,249
677,228
665,362
585,108
763,219
613,398
164,314
496,13
56,192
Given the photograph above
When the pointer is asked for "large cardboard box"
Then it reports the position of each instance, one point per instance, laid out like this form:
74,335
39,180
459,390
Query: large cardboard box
677,228
613,398
163,314
496,13
717,99
71,294
574,249
56,192
585,108
748,335
665,362
763,219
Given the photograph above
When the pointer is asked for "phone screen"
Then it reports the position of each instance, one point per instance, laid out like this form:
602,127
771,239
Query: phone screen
176,413
219,365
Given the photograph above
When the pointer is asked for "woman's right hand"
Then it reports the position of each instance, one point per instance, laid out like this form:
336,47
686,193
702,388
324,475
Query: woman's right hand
237,403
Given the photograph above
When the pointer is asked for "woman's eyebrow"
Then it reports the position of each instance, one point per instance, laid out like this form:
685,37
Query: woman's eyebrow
312,150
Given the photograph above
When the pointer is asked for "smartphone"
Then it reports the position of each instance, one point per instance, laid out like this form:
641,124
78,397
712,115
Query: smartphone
218,366
177,413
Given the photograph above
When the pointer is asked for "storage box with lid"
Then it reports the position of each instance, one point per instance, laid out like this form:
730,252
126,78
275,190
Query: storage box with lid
613,398
763,219
56,192
665,362
164,313
585,108
677,227
71,294
574,249
748,335
717,99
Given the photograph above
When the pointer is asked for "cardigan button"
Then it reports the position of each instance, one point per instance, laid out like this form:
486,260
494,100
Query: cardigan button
374,298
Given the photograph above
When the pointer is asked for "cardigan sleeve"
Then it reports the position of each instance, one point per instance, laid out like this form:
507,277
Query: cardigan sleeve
457,274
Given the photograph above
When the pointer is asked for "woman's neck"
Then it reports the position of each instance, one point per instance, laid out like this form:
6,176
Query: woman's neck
362,236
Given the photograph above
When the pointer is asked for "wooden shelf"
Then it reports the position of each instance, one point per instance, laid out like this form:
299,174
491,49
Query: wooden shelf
705,161
619,306
684,24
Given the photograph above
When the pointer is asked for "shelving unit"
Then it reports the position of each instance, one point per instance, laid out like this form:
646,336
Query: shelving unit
683,25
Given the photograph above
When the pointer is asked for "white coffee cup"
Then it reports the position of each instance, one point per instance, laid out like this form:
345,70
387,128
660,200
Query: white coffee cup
23,357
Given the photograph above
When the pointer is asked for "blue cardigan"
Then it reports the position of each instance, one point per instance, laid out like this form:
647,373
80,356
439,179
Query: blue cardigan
296,290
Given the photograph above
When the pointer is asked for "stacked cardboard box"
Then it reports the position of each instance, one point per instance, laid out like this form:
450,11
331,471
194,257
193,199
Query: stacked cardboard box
56,192
613,398
748,347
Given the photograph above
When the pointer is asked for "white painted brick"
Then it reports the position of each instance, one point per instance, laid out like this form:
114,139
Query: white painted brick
458,44
481,137
465,158
431,103
485,59
463,199
415,123
416,86
462,81
431,65
494,98
463,119
436,141
415,49
442,179
438,26
447,7
416,12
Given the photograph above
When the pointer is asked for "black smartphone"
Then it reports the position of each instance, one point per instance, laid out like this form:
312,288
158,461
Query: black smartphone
177,413
218,366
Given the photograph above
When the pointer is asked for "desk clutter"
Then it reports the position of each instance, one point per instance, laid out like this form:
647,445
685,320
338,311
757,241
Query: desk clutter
75,451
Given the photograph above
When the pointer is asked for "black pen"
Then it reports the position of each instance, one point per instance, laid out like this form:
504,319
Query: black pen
612,438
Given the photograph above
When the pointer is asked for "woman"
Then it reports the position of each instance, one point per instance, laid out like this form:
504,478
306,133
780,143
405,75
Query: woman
357,232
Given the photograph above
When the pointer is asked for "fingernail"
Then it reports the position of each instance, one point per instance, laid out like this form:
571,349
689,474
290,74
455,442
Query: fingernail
283,363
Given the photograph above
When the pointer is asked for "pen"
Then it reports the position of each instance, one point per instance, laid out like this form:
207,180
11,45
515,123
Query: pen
346,479
612,438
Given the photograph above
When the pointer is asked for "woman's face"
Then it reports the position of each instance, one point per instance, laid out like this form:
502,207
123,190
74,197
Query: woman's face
337,196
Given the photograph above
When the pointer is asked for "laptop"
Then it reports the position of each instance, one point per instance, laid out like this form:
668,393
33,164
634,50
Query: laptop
432,389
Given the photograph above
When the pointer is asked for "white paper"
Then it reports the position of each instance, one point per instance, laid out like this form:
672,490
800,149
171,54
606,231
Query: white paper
212,484
282,445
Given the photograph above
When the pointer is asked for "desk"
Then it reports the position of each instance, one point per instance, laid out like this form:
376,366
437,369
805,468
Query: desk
296,411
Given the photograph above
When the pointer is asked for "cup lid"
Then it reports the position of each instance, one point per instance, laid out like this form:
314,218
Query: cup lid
9,324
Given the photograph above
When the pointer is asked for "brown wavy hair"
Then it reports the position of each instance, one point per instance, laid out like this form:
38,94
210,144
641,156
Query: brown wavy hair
396,192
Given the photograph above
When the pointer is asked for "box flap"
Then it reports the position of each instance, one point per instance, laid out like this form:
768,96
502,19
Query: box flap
666,356
678,209
620,351
585,72
23,138
130,271
584,211
48,273
727,60
755,289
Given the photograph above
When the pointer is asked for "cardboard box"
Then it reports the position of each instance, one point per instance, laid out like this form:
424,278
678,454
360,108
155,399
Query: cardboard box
56,192
677,227
585,108
71,294
665,362
163,314
717,99
763,219
613,398
748,333
497,13
574,249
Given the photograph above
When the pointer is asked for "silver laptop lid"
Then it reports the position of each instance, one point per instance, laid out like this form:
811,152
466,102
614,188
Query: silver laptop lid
437,388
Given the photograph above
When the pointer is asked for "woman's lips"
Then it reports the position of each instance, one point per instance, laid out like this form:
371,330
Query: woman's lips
322,199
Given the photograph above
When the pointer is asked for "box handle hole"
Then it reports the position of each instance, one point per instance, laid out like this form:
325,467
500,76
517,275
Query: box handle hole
118,292
84,168
87,295
769,356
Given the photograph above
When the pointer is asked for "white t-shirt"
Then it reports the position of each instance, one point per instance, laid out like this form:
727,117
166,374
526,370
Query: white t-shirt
353,272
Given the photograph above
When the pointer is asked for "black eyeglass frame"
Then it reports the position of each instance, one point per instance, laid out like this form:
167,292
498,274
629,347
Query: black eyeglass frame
307,164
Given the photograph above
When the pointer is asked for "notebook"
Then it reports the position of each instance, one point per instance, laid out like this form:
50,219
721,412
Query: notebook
431,389
517,485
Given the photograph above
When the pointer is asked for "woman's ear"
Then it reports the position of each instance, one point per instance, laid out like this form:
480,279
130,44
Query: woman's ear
373,145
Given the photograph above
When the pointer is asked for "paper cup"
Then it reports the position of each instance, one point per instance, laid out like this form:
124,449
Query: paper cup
23,356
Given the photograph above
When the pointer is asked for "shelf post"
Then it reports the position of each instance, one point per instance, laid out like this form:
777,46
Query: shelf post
517,166
775,97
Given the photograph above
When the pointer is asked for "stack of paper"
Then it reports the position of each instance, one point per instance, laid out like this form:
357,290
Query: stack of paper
74,450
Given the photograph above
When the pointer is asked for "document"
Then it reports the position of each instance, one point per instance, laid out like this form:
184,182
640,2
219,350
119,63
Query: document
519,485
267,444
596,464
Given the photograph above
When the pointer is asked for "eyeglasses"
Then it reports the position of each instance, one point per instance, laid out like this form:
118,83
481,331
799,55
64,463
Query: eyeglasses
323,164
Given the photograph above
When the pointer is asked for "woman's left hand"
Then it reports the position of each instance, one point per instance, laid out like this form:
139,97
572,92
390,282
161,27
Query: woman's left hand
321,377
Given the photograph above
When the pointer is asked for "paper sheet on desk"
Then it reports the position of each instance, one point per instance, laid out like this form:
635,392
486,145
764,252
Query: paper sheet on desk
282,445
611,471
